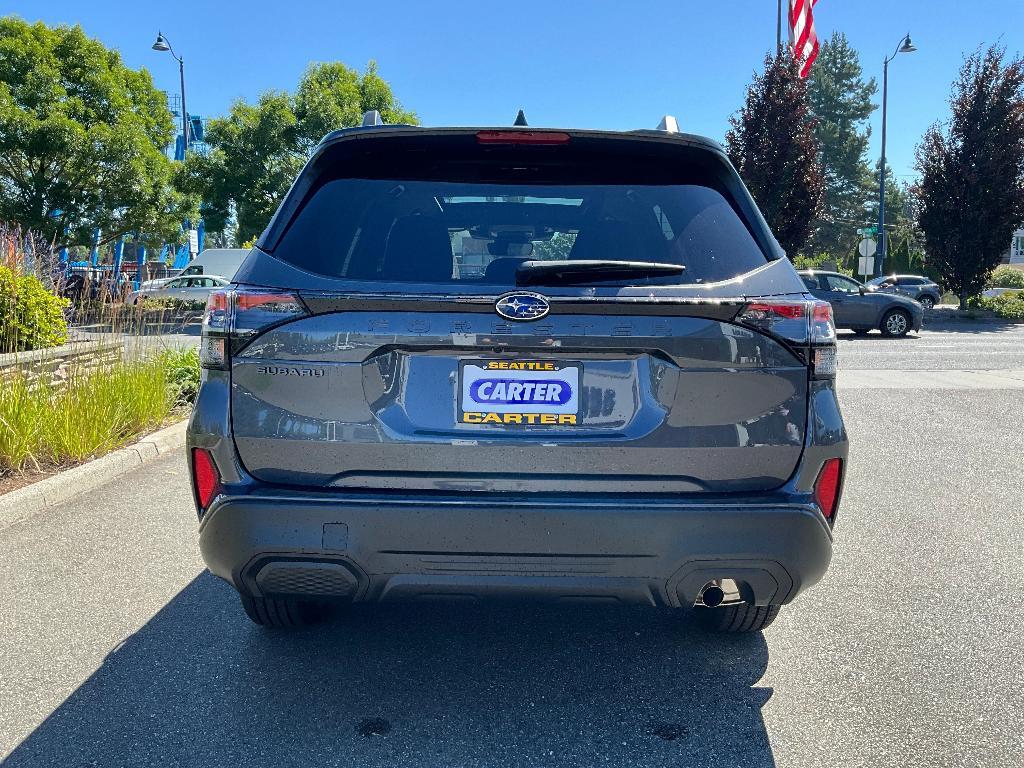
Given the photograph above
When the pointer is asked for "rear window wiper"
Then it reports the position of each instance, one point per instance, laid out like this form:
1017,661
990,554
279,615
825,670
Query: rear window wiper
583,271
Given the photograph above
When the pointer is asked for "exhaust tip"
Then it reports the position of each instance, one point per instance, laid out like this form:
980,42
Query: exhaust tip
712,596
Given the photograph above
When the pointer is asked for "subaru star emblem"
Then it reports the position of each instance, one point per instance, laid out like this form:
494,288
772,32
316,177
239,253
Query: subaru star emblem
522,306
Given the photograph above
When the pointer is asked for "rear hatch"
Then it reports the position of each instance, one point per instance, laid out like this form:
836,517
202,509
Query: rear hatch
478,311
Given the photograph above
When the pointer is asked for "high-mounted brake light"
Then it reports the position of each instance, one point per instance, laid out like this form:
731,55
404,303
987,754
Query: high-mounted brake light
827,487
241,313
205,478
522,137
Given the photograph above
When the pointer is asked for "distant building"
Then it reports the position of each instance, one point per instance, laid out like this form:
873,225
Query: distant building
1016,253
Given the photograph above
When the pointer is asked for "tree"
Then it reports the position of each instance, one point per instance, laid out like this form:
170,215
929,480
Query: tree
557,248
840,101
772,145
81,138
971,191
258,149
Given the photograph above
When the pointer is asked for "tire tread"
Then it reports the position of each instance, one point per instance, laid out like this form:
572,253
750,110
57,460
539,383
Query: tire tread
278,612
739,618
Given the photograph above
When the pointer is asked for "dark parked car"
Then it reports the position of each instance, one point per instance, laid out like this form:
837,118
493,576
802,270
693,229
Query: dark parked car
863,308
921,289
567,365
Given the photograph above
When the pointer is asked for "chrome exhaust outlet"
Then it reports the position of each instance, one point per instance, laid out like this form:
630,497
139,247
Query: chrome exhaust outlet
719,592
712,596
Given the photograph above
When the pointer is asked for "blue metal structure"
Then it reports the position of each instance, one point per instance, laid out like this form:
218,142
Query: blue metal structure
182,259
94,255
118,254
140,261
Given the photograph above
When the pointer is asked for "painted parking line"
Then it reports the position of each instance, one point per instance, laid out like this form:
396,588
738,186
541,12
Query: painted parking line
929,379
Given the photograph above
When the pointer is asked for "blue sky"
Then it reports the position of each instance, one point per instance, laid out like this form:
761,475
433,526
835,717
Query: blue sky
595,64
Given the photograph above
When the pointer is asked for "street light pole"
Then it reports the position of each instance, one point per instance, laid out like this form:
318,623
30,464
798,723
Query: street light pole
184,110
905,46
163,44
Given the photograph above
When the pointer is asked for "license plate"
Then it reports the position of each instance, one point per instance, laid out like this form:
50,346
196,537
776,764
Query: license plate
519,393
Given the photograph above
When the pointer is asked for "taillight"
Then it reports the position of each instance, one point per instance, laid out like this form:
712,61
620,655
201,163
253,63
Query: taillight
827,487
216,326
205,477
806,324
241,313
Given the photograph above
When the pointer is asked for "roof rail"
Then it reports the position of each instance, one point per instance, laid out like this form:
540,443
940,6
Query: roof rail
372,117
669,124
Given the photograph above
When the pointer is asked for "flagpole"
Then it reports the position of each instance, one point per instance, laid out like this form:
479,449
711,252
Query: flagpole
778,30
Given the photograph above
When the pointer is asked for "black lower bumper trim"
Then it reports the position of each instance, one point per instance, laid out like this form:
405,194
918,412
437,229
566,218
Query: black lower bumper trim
383,549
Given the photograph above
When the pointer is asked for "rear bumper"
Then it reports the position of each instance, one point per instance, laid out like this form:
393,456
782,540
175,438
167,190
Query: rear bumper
357,548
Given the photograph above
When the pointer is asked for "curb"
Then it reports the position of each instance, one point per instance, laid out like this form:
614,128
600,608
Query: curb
954,316
25,502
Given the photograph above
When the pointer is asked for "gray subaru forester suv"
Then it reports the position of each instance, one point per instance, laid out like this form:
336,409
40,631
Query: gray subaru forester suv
568,365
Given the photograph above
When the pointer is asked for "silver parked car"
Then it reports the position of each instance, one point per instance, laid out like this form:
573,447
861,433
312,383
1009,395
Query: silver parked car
922,289
190,289
566,365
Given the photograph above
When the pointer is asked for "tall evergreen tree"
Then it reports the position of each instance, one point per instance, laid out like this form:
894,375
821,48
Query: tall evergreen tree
841,104
971,194
772,145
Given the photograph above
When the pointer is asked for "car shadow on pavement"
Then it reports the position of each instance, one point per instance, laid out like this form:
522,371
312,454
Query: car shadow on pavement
414,685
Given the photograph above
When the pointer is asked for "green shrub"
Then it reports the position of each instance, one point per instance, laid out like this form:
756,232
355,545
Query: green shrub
802,261
183,372
1006,277
1007,305
819,261
30,316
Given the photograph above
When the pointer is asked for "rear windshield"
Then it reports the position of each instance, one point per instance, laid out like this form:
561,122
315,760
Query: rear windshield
427,231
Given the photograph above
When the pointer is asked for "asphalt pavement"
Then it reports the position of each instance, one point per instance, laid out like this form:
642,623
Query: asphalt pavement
118,649
958,346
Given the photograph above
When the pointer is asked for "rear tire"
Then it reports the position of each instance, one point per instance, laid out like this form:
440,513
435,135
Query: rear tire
895,324
280,612
741,617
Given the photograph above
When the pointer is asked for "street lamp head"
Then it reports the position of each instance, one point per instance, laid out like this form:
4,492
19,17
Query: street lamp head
161,43
908,46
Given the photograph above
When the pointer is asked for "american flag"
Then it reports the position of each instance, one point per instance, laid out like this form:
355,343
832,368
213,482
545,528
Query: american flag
803,36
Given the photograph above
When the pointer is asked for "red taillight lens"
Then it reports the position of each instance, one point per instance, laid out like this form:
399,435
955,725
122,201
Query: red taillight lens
793,311
522,137
827,486
205,477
